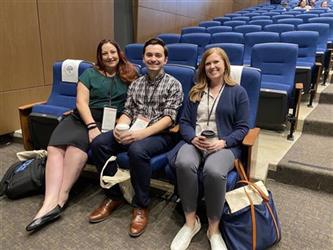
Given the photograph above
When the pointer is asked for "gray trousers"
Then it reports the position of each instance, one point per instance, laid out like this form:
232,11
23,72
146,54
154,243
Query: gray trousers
215,170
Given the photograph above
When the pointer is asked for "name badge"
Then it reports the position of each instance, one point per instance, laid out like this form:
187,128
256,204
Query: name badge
109,119
140,123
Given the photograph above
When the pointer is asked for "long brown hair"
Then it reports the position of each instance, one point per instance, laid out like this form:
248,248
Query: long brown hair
125,69
203,80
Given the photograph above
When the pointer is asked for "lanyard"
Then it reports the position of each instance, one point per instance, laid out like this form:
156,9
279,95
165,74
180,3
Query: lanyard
146,100
214,103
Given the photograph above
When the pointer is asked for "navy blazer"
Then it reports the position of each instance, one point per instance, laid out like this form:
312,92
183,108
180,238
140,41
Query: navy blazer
232,114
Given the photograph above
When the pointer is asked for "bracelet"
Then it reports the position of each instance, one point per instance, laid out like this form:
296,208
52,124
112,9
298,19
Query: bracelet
92,127
92,123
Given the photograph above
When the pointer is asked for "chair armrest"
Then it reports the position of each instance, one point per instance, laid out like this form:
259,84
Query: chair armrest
24,112
299,86
250,149
251,137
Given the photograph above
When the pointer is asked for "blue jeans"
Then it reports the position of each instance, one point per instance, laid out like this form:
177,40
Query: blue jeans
139,153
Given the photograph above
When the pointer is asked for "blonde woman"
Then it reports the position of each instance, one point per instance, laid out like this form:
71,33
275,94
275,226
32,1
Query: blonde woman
213,125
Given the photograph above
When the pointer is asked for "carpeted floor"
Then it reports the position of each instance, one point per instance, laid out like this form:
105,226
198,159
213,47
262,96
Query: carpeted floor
305,215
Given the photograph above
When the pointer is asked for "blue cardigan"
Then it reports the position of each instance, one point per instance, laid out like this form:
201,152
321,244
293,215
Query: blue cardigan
232,114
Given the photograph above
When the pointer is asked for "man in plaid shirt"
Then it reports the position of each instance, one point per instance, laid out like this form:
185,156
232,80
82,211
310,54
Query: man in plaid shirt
152,104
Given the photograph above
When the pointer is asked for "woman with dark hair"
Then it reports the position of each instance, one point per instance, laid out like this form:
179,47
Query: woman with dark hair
104,84
302,4
213,125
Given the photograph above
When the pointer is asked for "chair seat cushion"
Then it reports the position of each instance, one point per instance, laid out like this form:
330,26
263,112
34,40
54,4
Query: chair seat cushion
49,109
277,86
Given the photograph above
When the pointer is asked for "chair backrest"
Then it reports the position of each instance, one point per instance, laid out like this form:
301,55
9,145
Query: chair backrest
252,14
322,29
231,15
63,93
261,17
227,37
256,38
251,81
279,28
218,29
134,53
294,12
248,28
233,24
207,24
200,39
306,16
293,21
241,18
169,38
261,22
330,14
307,45
327,20
234,51
183,53
278,17
193,29
277,62
222,19
317,11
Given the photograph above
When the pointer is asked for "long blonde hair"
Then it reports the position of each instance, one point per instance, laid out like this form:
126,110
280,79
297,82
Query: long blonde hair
203,81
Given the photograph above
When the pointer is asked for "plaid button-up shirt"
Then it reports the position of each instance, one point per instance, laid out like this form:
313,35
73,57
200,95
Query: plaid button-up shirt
155,98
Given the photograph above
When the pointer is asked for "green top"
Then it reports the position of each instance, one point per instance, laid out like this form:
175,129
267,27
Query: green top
100,87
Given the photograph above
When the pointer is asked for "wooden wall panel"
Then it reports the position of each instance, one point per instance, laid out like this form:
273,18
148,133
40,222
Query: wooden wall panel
72,29
11,100
161,16
20,50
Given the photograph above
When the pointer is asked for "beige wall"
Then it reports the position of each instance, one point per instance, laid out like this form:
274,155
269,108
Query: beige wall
36,33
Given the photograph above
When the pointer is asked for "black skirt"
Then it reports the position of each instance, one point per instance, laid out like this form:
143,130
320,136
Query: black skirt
72,131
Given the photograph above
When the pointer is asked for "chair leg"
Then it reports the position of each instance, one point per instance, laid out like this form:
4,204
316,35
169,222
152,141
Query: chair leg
313,90
293,118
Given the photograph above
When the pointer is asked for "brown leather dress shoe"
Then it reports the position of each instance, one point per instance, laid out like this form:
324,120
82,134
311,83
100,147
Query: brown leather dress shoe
139,221
104,210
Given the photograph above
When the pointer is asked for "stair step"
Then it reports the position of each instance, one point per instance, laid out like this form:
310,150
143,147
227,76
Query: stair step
320,121
309,163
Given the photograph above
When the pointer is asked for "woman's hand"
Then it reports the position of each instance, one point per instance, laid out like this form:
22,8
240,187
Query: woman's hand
199,142
215,145
93,133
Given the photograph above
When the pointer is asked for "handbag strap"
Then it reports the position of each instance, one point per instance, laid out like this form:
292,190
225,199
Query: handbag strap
256,188
278,236
253,220
240,170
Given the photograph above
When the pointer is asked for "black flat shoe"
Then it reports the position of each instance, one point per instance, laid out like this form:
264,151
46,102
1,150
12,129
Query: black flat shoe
45,219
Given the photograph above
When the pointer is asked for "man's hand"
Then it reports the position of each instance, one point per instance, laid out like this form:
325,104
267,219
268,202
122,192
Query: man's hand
132,136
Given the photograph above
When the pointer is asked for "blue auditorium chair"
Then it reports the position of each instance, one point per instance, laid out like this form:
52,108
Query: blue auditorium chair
134,53
169,38
250,79
279,28
247,28
39,120
218,29
231,15
261,17
329,14
262,23
200,39
241,18
306,16
252,14
271,14
193,29
185,75
207,24
317,11
222,19
293,21
234,24
253,38
235,52
327,20
294,12
323,53
227,37
278,17
307,70
183,54
279,93
242,12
